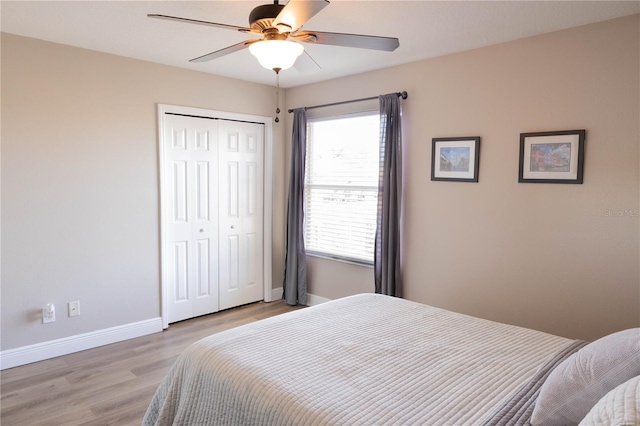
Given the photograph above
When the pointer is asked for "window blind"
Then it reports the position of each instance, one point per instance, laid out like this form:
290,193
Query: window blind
341,186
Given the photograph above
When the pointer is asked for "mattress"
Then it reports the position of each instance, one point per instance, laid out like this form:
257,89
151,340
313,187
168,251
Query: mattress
362,360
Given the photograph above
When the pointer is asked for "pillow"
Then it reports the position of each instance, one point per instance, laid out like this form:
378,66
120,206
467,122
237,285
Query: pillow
619,407
581,380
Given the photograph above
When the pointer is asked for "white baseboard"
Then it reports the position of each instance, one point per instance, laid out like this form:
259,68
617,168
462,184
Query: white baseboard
312,299
80,342
276,294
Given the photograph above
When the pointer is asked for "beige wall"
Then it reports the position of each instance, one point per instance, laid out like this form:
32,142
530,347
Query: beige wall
80,182
543,256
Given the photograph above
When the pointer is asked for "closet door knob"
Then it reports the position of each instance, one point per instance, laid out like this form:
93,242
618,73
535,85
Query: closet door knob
233,227
201,230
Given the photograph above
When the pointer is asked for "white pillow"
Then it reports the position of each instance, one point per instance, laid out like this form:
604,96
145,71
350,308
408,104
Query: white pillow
619,407
581,380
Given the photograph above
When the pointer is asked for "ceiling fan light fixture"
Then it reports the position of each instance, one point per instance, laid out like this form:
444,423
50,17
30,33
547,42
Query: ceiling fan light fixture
276,54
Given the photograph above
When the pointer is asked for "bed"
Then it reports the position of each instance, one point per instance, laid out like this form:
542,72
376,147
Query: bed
362,360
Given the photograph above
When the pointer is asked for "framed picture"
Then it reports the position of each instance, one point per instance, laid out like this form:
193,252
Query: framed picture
552,157
455,159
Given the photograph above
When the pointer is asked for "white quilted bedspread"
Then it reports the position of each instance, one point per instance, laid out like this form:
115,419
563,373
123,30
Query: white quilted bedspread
362,360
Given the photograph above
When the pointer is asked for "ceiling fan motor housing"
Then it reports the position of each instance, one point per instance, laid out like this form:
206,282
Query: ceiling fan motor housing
261,18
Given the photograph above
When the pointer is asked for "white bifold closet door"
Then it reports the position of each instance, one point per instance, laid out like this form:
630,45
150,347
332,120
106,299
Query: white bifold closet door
214,205
240,213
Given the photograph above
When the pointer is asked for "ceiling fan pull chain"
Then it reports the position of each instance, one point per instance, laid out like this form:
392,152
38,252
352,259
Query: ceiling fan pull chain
277,70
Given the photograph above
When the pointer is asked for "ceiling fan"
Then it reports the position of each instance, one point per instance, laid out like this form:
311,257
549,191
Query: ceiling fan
280,27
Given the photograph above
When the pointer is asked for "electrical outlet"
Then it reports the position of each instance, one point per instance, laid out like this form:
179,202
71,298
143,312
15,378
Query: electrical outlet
74,308
48,313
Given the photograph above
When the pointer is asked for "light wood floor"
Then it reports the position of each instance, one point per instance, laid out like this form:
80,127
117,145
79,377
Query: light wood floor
110,385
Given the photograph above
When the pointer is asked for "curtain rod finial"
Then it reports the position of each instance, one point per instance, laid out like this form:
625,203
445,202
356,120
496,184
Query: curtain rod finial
404,95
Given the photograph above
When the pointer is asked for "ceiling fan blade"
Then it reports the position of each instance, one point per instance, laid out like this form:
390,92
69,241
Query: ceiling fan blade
195,21
296,13
223,52
305,64
388,44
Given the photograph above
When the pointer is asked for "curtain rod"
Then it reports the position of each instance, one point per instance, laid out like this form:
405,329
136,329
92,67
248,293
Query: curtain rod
404,95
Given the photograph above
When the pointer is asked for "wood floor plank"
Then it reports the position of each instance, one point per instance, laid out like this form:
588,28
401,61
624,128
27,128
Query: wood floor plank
125,401
39,372
43,403
113,384
13,375
18,397
70,416
105,376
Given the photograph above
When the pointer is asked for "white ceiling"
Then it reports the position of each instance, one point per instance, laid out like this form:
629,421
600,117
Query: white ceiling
426,29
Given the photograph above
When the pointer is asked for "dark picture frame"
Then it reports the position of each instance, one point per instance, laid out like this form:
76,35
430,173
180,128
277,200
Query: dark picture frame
552,157
455,159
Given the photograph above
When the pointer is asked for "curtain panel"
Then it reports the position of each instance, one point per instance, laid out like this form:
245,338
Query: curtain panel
295,274
387,261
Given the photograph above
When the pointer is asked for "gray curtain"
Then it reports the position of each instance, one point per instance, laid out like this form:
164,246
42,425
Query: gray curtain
388,276
295,274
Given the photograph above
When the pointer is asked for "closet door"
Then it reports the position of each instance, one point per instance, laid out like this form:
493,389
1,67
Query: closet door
191,210
241,213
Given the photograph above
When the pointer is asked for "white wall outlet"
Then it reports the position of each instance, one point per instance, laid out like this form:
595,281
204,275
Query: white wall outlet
48,313
74,308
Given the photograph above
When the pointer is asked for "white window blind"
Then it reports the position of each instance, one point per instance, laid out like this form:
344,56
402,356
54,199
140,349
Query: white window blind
341,186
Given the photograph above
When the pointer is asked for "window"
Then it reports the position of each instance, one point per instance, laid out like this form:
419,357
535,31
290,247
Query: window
341,186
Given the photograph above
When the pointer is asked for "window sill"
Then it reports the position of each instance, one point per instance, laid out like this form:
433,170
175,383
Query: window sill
362,263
